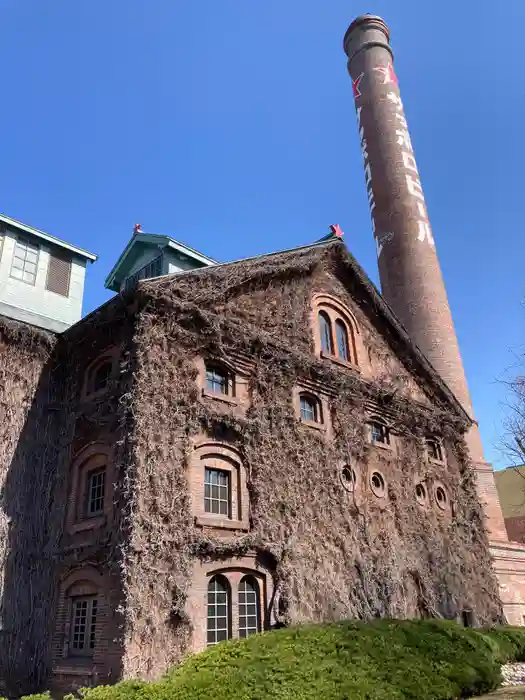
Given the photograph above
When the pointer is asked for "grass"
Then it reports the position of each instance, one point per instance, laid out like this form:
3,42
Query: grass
383,660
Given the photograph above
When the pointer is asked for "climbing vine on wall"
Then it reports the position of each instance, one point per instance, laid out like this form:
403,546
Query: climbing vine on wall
331,554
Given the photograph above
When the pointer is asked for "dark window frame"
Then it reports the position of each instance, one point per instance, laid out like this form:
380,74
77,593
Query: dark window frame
342,341
90,498
219,380
83,625
435,450
316,408
96,384
325,331
379,432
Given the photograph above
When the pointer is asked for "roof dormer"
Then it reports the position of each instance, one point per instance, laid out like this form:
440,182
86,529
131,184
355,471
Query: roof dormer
150,255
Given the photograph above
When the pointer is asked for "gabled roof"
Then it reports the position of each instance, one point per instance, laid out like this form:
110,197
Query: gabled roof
136,245
304,258
47,237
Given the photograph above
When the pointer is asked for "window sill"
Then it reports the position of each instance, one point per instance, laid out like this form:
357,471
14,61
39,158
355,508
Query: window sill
437,462
94,395
219,522
76,666
231,400
382,446
88,524
339,361
312,424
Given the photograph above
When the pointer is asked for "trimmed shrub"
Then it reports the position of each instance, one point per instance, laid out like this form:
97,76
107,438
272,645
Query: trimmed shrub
382,660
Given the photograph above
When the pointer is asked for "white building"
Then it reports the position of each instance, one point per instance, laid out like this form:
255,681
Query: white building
41,277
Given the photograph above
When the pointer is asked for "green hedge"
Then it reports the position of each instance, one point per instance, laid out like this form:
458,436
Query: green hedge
383,660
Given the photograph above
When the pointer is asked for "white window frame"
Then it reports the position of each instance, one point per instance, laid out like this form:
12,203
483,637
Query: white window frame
25,244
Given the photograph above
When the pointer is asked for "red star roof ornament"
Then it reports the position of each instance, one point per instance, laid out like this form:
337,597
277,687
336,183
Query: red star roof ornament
355,86
388,72
336,230
137,228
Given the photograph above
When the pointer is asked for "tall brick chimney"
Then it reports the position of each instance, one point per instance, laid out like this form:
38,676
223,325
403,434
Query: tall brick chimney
409,270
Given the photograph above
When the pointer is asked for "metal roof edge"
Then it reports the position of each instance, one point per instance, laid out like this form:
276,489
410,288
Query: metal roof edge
48,237
188,250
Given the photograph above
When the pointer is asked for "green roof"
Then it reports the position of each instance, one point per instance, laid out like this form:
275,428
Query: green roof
137,243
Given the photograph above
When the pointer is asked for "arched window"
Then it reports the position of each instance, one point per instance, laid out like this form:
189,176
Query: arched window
91,488
219,380
219,603
310,408
219,494
99,374
343,349
102,375
83,625
82,600
325,329
336,330
96,486
249,614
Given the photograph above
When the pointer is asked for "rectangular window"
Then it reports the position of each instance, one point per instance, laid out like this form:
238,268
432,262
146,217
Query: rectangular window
308,409
95,491
434,450
83,625
217,492
25,261
58,274
217,382
380,433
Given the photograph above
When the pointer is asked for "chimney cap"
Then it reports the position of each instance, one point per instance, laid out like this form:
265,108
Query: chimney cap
367,19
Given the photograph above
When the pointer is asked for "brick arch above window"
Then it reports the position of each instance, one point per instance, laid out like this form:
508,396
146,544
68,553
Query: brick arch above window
336,331
235,571
224,382
90,494
79,611
86,577
218,486
100,373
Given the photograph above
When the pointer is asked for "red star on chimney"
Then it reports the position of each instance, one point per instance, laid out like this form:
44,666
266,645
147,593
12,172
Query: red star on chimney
355,86
388,74
137,228
336,230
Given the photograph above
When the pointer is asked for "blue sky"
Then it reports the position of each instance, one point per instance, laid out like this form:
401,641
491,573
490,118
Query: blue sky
230,125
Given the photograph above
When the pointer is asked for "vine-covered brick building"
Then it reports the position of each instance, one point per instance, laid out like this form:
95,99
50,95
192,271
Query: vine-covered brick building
226,448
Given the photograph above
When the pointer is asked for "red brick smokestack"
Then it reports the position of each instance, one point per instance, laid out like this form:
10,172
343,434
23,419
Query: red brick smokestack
409,270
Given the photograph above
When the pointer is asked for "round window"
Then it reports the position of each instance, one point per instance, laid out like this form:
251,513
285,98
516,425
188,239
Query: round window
378,485
421,494
441,497
348,478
